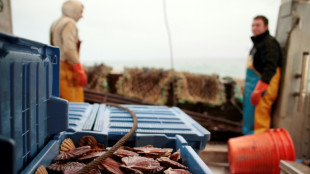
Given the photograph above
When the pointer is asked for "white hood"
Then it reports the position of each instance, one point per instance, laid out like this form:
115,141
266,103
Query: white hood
72,9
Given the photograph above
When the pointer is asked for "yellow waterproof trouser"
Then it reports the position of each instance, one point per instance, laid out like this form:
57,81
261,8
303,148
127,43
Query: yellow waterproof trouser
69,88
262,119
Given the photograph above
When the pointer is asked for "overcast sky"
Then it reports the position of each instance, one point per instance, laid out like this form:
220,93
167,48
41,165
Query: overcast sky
134,29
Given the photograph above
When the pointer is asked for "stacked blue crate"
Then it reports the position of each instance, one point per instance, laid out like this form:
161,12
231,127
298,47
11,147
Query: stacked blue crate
152,120
34,121
29,73
81,116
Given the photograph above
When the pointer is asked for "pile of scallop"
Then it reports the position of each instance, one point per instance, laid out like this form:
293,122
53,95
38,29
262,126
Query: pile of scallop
136,160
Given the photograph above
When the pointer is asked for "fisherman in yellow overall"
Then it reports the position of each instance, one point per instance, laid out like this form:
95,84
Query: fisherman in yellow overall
64,34
262,78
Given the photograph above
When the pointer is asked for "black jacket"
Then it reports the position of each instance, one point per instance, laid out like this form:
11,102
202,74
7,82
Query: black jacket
266,54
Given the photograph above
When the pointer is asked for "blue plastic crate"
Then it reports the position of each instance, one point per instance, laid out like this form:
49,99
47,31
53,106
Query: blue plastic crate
189,156
151,120
29,73
81,116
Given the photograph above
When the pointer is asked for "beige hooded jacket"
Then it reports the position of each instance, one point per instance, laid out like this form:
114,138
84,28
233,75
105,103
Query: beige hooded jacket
64,32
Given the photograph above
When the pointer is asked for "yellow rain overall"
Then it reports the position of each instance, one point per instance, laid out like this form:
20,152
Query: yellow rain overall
257,118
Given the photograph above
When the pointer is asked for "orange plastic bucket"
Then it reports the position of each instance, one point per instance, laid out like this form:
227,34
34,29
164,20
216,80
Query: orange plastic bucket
260,153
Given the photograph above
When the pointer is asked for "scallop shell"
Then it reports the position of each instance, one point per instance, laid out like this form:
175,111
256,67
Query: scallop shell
76,170
91,156
59,167
92,142
41,170
176,156
72,154
111,166
126,148
101,146
166,162
88,141
67,145
124,153
170,171
95,171
74,165
130,170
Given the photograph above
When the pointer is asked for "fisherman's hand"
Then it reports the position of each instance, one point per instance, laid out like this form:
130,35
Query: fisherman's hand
257,93
82,77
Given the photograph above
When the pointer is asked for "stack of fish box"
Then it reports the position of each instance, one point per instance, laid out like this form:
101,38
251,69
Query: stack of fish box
34,121
152,120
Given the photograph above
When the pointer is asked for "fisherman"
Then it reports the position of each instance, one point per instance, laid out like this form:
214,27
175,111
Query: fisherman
262,78
64,34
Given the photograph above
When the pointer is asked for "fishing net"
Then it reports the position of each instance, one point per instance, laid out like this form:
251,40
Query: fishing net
148,84
97,78
194,88
238,89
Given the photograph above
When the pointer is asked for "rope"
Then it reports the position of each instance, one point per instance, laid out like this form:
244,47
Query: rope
286,44
168,33
171,51
1,6
94,164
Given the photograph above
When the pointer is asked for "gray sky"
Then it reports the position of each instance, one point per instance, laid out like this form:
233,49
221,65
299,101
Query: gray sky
124,30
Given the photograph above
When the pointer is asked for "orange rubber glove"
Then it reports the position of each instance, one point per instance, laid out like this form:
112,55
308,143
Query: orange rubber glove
82,77
257,93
